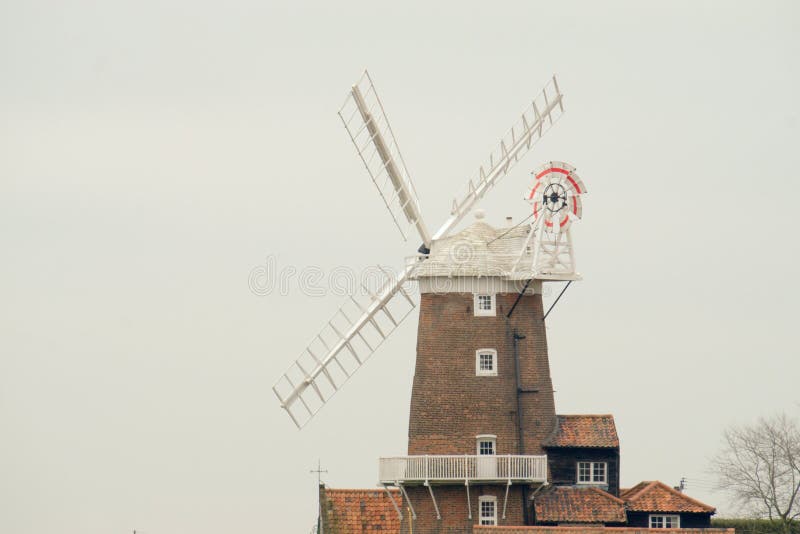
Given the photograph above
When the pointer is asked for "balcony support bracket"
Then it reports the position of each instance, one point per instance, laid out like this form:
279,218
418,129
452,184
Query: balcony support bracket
505,501
410,506
469,504
396,508
433,498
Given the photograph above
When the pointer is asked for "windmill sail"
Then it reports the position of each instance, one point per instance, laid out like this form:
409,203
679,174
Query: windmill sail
365,120
342,347
545,109
363,323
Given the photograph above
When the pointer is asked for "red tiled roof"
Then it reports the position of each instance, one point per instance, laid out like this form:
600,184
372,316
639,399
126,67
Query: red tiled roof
579,505
658,497
583,431
356,510
623,493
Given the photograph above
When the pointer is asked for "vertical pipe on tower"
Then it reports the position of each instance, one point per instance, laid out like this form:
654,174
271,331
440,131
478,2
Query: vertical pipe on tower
521,438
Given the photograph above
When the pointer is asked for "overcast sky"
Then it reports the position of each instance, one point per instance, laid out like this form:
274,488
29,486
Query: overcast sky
152,154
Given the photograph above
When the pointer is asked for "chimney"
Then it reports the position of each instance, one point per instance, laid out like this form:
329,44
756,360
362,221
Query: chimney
509,221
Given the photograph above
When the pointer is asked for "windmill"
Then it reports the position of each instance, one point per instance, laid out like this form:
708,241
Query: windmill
543,249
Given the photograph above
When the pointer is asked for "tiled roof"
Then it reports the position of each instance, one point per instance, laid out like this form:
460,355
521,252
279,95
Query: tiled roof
361,510
623,493
579,505
583,431
658,497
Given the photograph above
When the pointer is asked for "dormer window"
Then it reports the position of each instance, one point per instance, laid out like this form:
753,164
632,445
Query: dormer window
485,305
486,362
592,473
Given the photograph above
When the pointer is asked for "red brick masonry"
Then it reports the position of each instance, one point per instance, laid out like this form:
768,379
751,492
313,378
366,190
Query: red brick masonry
597,530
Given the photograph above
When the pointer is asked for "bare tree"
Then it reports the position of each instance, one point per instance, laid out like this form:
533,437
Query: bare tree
759,466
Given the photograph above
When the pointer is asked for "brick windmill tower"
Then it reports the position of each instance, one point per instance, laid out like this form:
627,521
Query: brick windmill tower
482,398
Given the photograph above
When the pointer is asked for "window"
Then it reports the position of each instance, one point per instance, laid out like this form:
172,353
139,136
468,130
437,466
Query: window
486,362
484,305
486,462
665,521
487,513
487,444
592,472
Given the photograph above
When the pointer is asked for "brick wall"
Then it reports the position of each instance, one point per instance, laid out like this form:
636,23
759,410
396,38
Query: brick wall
595,530
452,502
450,405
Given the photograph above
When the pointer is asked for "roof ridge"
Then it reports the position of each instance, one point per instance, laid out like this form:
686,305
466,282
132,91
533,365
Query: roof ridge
683,495
657,483
638,493
607,494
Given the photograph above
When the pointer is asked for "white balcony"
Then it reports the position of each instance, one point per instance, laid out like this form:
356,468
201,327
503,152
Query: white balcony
507,468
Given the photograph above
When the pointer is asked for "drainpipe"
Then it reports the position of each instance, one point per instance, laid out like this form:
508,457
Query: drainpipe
521,442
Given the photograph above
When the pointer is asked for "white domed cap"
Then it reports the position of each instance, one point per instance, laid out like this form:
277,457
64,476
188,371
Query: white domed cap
480,213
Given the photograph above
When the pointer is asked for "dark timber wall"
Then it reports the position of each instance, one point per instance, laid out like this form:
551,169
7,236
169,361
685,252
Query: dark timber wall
688,520
563,465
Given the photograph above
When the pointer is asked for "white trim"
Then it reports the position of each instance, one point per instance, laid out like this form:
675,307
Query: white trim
490,520
592,477
485,372
476,284
462,469
480,299
486,462
673,519
484,438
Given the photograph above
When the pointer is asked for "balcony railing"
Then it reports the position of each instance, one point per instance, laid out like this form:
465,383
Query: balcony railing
441,468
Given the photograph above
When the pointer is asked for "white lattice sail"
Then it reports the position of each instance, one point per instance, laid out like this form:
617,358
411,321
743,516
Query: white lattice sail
543,112
352,335
365,120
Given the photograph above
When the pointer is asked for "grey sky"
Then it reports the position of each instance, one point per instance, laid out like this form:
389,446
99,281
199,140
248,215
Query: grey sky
153,153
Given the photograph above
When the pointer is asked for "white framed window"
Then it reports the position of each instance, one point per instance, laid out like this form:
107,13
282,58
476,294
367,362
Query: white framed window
486,362
487,510
592,473
485,305
487,444
486,462
665,521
